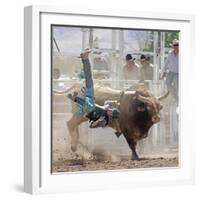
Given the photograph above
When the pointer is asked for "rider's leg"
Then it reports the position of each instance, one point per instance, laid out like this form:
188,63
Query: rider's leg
89,90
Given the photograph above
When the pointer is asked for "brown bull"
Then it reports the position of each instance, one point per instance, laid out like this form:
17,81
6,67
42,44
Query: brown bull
139,110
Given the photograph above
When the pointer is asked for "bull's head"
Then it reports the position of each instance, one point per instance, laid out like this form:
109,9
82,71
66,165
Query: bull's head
139,110
150,103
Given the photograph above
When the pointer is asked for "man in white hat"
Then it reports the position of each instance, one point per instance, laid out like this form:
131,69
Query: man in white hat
171,69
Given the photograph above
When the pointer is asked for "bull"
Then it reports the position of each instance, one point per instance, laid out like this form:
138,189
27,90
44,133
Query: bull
139,110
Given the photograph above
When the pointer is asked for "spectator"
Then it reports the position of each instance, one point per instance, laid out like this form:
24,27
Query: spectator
146,68
131,69
171,69
56,73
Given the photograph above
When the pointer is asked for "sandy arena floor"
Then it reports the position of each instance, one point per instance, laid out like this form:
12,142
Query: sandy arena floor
98,164
108,151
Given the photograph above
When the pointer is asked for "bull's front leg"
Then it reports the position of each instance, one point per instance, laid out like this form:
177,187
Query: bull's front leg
132,145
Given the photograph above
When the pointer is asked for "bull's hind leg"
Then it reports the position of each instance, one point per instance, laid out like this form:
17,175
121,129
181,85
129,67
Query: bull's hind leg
73,125
77,147
132,145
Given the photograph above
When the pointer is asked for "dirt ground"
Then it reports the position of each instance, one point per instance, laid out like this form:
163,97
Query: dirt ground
98,164
110,152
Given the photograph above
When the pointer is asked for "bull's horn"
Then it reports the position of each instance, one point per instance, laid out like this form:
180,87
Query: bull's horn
160,98
143,99
130,92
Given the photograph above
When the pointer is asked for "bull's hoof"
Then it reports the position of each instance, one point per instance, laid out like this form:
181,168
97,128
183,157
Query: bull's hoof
118,134
90,157
73,148
135,157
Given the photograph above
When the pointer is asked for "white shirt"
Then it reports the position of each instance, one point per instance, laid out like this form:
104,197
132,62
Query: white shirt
171,62
131,72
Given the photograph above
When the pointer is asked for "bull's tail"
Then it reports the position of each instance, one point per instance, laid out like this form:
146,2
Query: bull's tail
65,91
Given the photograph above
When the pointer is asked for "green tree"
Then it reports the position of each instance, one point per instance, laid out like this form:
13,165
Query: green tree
148,45
170,36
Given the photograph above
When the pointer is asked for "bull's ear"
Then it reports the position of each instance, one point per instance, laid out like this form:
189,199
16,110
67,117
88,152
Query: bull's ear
143,98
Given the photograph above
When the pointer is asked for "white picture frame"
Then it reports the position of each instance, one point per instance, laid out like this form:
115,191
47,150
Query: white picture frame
37,141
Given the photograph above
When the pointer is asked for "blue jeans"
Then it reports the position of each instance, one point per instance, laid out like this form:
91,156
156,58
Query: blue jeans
87,104
172,83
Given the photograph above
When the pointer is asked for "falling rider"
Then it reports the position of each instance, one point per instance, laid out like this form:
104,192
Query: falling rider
99,116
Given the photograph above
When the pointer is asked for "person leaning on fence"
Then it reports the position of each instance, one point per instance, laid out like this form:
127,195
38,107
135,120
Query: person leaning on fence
99,116
171,69
131,69
146,69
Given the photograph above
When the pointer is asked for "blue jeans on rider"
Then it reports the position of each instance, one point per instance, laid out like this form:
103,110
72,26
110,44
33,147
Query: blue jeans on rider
87,104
